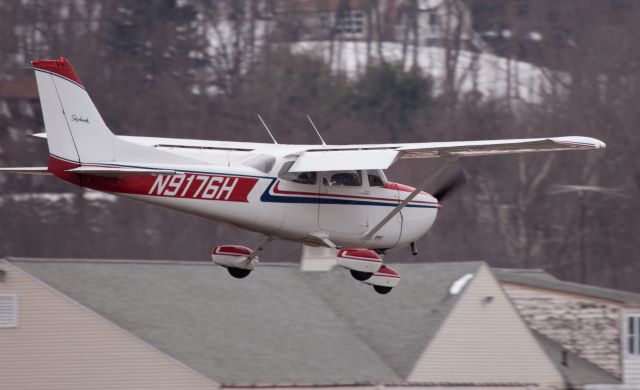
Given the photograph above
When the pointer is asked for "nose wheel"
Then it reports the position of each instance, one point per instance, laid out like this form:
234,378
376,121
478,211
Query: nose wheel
366,266
238,273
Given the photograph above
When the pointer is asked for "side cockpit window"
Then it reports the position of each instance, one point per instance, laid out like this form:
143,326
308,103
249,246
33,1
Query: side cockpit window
296,177
376,178
343,179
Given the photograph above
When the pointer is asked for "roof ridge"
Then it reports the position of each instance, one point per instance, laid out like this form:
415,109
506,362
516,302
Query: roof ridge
193,262
12,259
522,270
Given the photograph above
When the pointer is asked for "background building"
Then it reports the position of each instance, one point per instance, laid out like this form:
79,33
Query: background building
163,324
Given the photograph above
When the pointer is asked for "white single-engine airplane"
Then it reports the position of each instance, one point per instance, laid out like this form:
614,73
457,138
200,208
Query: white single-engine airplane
335,196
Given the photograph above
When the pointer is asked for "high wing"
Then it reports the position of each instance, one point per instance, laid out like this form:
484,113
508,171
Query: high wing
384,155
364,156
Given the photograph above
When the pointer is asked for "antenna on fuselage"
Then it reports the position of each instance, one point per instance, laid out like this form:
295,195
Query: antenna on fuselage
266,128
316,129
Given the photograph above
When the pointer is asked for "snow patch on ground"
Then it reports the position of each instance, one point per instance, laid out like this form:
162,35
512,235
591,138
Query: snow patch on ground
40,196
92,195
55,197
493,76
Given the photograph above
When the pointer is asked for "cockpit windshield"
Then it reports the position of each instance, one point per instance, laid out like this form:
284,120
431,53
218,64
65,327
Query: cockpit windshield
296,177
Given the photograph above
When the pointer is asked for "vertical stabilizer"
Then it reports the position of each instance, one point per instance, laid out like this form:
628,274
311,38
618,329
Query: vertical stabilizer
75,129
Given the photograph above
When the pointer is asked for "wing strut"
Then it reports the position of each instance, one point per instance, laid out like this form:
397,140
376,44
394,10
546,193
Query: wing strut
423,184
263,244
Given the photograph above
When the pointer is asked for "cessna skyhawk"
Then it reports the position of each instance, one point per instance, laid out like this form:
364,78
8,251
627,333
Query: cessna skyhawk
334,196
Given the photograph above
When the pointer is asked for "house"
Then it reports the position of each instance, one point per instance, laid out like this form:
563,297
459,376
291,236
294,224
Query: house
436,23
425,22
334,19
600,325
188,325
19,99
352,20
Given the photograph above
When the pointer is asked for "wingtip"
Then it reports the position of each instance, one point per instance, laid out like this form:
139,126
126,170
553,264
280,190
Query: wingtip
580,142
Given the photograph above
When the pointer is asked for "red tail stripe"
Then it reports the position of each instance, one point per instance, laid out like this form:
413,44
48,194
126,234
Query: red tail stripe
61,66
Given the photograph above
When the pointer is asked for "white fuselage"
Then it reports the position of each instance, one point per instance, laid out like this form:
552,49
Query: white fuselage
261,196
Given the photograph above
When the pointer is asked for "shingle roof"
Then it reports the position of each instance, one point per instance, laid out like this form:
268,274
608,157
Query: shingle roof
576,371
278,326
541,279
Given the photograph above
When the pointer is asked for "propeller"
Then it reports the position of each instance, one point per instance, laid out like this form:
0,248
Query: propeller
450,185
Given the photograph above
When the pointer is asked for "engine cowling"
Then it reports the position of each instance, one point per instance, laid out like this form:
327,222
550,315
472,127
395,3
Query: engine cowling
233,256
359,259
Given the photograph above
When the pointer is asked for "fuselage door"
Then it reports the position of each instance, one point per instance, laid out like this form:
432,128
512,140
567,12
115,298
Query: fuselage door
386,198
343,204
298,192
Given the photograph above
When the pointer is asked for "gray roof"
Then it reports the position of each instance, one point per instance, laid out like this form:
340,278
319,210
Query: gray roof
576,370
280,325
541,279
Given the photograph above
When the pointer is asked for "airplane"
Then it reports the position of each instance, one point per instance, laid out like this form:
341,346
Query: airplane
330,196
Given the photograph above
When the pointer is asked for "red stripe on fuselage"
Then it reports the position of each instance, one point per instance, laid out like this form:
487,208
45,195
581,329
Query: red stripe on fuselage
187,186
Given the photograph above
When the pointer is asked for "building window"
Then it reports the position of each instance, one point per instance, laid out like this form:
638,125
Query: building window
434,20
633,334
8,310
350,22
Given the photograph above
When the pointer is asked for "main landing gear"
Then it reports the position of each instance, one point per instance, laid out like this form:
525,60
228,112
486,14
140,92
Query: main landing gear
364,265
238,260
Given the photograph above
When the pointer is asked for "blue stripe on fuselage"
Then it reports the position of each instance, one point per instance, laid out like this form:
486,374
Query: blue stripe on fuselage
269,198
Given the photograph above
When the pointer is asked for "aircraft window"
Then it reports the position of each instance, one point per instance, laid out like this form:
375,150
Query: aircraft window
376,178
344,179
296,177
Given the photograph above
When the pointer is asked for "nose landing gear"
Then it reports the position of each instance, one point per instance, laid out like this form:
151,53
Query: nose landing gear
238,273
366,266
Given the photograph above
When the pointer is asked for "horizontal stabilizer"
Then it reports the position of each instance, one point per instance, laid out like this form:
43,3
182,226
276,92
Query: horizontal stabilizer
27,170
120,171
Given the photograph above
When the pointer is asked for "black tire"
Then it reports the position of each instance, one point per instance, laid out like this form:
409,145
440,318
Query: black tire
360,276
238,273
382,289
